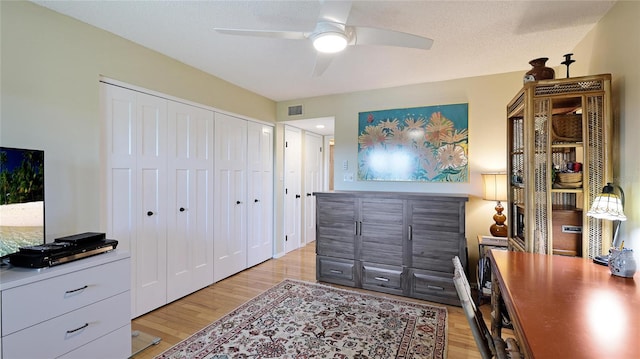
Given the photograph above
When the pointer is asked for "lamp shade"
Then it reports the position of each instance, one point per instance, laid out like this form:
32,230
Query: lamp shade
608,205
494,186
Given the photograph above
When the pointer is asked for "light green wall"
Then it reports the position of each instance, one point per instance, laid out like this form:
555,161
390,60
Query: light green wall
614,47
50,100
487,97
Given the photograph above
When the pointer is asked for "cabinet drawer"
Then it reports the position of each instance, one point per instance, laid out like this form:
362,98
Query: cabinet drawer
336,270
116,344
34,303
382,278
433,286
62,334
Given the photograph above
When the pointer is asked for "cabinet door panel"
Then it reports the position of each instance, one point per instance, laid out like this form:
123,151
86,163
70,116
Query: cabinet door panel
382,230
336,226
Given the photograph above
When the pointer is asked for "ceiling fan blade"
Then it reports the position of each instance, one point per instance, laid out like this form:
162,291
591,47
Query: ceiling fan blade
323,60
373,36
335,11
289,35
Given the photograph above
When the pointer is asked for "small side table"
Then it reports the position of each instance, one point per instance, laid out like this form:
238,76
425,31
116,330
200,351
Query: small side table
486,243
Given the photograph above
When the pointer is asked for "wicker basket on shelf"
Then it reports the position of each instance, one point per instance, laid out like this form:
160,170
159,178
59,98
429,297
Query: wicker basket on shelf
567,127
568,180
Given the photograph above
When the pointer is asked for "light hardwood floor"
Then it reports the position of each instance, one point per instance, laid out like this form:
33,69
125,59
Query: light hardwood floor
178,320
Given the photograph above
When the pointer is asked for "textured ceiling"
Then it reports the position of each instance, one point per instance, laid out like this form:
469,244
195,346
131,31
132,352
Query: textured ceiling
471,38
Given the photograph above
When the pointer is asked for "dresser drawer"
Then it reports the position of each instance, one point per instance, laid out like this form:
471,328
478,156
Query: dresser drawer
382,278
336,270
65,333
116,344
36,302
433,286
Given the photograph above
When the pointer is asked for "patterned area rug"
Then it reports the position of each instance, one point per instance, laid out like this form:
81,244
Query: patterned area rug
296,319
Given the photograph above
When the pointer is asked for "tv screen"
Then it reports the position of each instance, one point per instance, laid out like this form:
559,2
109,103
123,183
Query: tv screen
21,199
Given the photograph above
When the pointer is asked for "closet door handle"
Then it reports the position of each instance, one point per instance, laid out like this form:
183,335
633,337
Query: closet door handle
297,196
308,194
149,213
181,209
256,200
238,202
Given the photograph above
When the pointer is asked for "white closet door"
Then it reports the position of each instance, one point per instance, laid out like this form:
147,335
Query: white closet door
190,199
119,113
230,213
312,182
151,216
292,184
259,193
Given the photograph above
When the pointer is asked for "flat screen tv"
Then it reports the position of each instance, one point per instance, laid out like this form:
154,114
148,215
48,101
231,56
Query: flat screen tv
21,199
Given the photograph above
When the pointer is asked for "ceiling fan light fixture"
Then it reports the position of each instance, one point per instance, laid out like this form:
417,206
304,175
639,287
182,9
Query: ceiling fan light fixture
330,42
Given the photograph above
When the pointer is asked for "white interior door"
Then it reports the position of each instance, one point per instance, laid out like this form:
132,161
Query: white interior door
151,237
190,197
312,182
119,143
259,193
292,185
230,213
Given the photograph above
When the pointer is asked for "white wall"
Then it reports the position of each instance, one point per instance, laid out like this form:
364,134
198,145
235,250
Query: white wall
50,100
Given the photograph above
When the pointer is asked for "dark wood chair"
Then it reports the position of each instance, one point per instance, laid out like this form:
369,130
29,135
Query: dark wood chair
489,346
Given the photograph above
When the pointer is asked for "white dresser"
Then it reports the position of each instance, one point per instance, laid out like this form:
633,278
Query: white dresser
75,310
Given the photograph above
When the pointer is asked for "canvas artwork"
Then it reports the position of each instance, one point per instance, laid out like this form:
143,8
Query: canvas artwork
427,144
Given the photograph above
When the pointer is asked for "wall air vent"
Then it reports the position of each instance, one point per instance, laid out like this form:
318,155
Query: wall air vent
295,110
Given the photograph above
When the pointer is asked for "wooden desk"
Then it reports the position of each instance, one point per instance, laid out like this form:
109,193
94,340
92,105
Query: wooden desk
566,307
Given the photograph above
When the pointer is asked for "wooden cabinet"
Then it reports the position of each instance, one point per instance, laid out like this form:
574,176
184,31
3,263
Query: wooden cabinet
79,309
559,158
398,243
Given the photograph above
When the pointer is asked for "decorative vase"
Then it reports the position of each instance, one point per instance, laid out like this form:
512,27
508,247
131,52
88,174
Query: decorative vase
539,70
621,262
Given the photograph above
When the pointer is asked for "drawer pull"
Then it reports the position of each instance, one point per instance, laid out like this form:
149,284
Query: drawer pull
435,287
335,271
79,328
76,290
382,279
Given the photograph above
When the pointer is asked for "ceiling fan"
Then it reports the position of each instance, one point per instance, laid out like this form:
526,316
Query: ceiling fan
332,34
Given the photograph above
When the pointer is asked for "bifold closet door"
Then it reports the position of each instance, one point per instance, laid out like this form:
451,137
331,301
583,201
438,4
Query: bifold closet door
259,193
190,199
230,226
136,148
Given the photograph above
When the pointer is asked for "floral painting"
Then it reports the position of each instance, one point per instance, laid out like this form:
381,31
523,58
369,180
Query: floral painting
428,144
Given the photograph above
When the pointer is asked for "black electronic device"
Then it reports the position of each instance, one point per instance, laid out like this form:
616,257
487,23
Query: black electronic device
82,238
51,254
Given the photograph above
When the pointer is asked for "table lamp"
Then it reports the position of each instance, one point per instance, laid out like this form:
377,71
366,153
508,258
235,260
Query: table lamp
610,206
495,189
